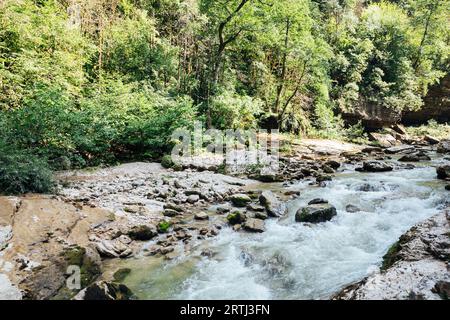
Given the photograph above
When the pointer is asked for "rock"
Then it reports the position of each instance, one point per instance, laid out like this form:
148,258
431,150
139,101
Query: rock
170,213
193,198
240,200
317,201
322,178
255,207
399,129
103,290
107,249
333,164
398,149
121,274
172,206
431,140
447,187
142,232
414,157
315,213
443,172
236,217
376,166
372,150
327,169
444,146
266,177
352,209
254,225
383,140
442,288
274,207
261,215
201,216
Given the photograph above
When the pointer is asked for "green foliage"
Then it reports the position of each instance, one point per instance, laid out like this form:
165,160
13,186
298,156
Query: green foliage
22,172
107,81
164,226
432,128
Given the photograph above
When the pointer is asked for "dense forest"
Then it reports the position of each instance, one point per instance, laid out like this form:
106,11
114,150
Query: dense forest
84,83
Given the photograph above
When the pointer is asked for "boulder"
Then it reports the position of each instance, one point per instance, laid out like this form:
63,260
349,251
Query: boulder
274,207
431,140
444,146
317,201
316,213
103,290
398,149
201,216
447,187
383,140
333,164
352,209
142,232
193,198
376,166
170,213
254,225
415,157
443,172
399,129
240,200
236,217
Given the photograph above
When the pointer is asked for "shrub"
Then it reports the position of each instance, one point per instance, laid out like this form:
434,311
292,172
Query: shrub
22,172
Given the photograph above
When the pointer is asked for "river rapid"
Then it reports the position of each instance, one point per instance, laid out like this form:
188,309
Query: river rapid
294,260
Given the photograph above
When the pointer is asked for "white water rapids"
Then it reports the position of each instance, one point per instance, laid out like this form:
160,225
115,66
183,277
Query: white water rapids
301,261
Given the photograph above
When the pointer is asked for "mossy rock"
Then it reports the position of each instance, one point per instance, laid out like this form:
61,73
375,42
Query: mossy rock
121,274
167,161
391,256
236,217
89,268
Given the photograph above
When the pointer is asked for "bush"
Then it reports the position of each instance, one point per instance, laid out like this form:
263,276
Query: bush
22,172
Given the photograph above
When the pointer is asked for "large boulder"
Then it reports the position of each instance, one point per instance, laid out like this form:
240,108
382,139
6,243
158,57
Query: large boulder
274,207
415,157
254,225
444,146
384,140
240,200
443,172
142,232
316,213
103,290
398,149
376,166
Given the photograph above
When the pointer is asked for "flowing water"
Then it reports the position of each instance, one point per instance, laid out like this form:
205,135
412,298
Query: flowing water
300,261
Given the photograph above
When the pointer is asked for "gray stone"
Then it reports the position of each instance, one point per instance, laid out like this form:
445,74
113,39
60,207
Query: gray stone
351,208
443,172
274,207
444,146
376,166
240,200
254,225
316,213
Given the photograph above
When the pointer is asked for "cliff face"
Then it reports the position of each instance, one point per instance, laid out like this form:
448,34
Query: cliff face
373,117
437,105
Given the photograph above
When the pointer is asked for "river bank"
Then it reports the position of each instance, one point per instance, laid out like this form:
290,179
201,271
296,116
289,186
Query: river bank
105,219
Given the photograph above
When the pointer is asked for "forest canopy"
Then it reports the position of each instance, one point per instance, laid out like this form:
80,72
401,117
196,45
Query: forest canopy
91,82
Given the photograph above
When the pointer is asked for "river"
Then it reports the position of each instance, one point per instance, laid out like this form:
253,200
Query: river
300,261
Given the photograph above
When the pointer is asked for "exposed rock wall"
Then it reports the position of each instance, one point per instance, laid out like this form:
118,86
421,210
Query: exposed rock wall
437,105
